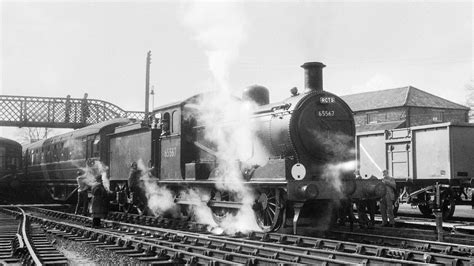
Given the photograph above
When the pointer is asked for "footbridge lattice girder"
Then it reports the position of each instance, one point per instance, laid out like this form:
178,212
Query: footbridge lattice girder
52,112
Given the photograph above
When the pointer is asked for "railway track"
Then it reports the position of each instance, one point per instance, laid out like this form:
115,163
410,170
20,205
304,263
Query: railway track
140,237
24,242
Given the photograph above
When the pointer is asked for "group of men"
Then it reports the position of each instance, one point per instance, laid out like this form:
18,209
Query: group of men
369,205
100,196
99,201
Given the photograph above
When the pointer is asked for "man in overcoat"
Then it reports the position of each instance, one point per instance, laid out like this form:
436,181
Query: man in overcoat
82,194
100,202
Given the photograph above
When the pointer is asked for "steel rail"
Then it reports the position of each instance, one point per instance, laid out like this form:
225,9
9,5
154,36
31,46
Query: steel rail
26,239
422,253
24,234
370,251
170,247
283,252
316,254
422,247
442,247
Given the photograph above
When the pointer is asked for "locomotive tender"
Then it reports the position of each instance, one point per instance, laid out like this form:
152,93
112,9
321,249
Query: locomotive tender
303,134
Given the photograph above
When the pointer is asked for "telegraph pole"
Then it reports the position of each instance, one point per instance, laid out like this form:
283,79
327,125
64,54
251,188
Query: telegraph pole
147,85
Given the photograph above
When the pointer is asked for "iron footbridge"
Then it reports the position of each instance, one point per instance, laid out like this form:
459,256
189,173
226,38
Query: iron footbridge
52,112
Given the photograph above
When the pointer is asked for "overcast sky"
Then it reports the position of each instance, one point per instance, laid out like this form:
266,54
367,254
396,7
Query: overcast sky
75,47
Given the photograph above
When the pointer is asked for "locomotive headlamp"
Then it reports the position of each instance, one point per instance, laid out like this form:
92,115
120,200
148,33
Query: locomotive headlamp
298,171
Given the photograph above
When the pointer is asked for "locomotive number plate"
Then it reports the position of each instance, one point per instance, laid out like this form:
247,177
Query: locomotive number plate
325,113
170,152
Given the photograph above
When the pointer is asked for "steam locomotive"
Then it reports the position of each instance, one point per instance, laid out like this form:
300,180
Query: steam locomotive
308,140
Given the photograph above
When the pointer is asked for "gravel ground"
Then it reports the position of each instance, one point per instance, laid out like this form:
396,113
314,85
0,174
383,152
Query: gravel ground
85,254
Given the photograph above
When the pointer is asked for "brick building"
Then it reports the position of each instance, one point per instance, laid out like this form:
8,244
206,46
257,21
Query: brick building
402,107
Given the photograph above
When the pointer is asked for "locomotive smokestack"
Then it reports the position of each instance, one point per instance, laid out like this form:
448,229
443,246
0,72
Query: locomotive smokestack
313,76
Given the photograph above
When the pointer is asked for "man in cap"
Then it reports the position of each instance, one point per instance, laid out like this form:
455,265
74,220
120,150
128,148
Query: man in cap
82,193
386,202
100,202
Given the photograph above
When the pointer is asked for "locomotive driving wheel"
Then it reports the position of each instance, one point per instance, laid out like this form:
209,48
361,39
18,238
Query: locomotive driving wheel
219,213
269,209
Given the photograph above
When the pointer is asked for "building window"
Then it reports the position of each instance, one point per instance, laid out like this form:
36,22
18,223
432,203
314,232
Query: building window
372,118
438,116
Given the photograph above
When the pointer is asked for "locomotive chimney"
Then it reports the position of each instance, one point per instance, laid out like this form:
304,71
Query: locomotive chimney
313,76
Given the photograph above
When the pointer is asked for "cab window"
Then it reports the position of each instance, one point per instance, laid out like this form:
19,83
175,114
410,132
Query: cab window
175,122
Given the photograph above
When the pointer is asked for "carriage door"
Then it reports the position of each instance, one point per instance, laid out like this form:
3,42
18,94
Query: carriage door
399,153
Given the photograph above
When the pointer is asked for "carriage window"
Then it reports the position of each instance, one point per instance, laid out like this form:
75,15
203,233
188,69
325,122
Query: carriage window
14,162
35,156
2,157
82,150
48,154
55,153
96,147
175,122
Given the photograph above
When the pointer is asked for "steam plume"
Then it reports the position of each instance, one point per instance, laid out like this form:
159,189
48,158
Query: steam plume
333,173
160,198
91,169
219,28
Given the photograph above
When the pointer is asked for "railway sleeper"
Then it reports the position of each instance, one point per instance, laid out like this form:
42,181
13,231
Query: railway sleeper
170,236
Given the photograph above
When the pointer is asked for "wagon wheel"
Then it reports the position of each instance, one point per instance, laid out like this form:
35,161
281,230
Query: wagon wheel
448,204
425,210
269,209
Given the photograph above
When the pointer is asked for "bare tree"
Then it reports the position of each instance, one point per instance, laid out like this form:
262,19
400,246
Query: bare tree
33,134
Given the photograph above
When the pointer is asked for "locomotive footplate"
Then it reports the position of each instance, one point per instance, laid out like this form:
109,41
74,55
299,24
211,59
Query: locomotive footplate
212,203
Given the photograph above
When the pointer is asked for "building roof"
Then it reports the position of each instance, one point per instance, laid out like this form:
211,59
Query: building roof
398,97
